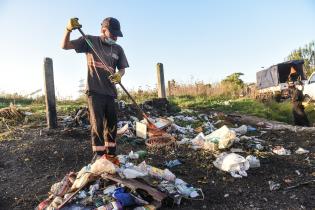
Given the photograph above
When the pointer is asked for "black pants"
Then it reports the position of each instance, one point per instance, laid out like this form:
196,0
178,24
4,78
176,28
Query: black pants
299,115
103,120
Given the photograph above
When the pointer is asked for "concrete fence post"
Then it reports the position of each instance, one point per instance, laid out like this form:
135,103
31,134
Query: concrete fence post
160,80
49,88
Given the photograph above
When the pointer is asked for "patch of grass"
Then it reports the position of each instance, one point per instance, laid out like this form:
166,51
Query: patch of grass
5,101
272,110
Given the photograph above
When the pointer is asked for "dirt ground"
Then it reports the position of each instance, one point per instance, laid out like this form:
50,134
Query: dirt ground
36,159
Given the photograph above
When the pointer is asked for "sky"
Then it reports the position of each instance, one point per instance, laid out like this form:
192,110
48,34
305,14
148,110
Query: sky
203,40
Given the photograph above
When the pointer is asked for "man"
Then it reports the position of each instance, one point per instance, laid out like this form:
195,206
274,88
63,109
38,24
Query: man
298,112
293,76
101,80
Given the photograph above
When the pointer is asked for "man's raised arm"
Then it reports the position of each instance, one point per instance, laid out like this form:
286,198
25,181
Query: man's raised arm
72,24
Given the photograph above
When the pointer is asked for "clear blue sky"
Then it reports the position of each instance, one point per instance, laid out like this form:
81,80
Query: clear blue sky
203,40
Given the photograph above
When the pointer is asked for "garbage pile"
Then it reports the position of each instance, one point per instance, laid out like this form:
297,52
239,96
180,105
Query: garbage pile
104,186
154,107
199,131
79,119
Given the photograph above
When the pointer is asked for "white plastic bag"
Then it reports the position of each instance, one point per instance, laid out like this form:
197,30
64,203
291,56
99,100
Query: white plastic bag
233,163
103,165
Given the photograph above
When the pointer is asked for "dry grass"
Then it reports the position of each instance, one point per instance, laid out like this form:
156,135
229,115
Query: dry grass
216,90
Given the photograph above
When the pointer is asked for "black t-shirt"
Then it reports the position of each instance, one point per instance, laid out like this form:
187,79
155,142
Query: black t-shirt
97,78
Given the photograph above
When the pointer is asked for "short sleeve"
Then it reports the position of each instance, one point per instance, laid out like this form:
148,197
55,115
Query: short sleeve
122,60
80,45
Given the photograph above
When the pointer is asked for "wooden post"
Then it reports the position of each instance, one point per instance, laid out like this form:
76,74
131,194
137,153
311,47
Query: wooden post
160,80
50,99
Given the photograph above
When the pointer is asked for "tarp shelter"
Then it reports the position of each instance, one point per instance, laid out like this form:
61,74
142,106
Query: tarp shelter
278,74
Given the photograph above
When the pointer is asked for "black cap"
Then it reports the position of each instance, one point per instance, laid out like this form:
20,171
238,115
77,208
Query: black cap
113,26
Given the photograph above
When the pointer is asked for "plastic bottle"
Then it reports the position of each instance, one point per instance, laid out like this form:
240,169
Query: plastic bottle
137,155
141,153
156,172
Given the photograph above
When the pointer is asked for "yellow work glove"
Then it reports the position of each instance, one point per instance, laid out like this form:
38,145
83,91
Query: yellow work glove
73,24
115,78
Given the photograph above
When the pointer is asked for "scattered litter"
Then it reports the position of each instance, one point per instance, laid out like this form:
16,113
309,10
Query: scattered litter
224,137
130,173
109,190
273,185
185,118
141,130
183,130
300,184
145,207
156,172
82,194
241,130
259,147
27,113
233,163
124,198
104,185
253,161
102,165
280,150
122,130
199,141
88,188
172,163
218,122
298,172
160,141
185,190
134,119
137,155
184,141
301,151
236,150
162,123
